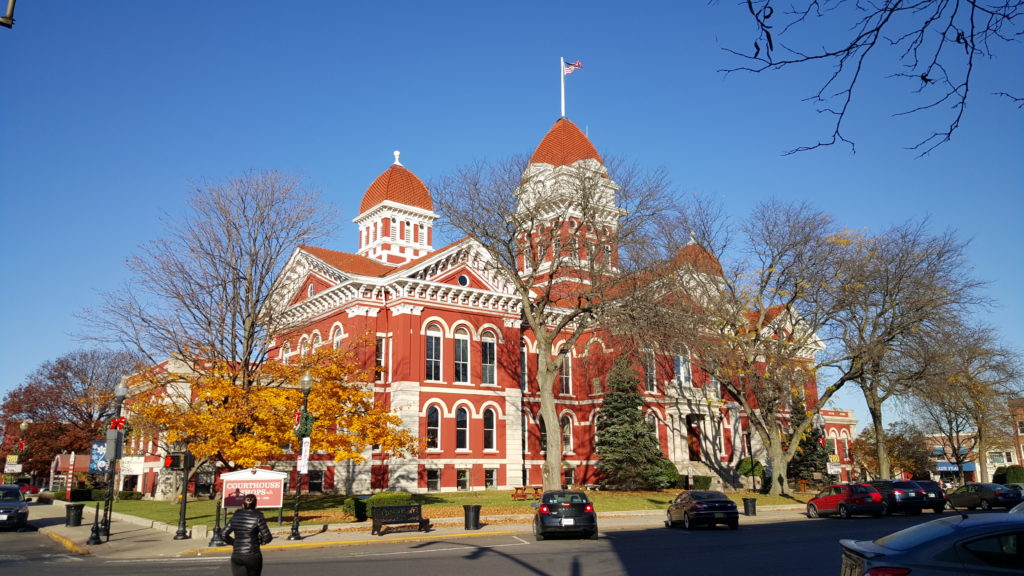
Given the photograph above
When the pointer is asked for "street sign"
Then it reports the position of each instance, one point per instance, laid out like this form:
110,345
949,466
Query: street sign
12,468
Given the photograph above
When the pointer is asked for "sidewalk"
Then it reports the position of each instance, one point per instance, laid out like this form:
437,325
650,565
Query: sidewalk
137,538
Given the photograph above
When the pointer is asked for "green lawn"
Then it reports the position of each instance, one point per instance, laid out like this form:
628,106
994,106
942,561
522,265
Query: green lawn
328,509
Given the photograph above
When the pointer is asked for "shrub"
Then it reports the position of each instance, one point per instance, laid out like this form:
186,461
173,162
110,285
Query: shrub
356,508
668,476
97,495
388,499
129,495
1015,474
701,482
999,476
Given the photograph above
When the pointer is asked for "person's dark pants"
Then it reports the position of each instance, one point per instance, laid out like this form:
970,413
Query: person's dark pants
246,565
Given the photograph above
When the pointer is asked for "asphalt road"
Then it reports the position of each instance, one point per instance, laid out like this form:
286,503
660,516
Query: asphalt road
808,547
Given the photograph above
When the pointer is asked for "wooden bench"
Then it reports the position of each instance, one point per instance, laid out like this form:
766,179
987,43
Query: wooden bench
538,491
411,514
519,493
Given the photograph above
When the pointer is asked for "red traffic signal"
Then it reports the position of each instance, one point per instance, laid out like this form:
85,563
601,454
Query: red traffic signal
175,461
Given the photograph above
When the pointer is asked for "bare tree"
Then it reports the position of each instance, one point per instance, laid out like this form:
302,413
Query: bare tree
565,239
965,383
199,294
932,45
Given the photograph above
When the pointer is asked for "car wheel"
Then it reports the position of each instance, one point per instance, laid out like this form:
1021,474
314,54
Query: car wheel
538,535
939,509
593,535
686,520
886,510
669,523
812,511
844,513
986,505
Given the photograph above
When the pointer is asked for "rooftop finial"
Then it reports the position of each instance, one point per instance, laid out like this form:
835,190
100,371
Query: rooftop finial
397,154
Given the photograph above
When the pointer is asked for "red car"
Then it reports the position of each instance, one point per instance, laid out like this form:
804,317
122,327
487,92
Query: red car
25,484
845,500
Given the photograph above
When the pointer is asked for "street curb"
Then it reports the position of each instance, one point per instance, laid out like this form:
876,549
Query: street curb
65,542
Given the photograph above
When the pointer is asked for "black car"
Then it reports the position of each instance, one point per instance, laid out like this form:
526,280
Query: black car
702,508
564,512
984,496
13,507
901,496
934,495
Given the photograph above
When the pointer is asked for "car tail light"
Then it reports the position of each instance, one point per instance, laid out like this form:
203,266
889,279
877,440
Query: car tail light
997,493
699,506
897,491
887,572
589,508
544,509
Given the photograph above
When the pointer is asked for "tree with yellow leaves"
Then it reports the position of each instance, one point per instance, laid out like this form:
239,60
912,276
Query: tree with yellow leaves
218,420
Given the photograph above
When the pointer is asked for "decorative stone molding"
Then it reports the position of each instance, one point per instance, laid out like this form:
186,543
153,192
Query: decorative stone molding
362,311
407,309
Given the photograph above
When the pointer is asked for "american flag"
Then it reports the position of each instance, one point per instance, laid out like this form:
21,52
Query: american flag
570,67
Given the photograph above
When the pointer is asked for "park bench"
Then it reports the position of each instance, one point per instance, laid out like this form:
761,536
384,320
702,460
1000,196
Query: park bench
411,514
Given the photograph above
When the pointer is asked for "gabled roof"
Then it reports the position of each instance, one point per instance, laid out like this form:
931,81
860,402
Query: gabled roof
397,184
564,145
351,263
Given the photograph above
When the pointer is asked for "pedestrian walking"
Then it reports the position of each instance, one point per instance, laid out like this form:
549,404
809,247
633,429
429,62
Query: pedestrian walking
250,530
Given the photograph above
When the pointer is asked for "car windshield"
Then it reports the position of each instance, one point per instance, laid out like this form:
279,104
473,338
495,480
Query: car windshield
857,489
906,485
915,535
10,495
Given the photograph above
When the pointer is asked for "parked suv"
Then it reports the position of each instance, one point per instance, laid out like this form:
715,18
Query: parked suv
901,496
934,494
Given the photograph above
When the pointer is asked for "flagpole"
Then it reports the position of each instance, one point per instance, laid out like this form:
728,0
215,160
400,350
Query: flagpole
561,72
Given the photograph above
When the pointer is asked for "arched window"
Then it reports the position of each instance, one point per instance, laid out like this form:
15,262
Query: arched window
487,354
566,425
650,371
304,348
462,429
433,428
433,353
489,440
461,355
285,351
523,373
336,338
316,341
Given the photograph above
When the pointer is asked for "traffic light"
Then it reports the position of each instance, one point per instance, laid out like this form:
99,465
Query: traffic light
175,461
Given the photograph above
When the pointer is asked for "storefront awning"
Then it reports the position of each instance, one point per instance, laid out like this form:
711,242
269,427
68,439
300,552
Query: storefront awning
951,467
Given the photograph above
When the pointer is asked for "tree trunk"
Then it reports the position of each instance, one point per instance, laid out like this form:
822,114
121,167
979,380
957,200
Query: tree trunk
875,409
547,374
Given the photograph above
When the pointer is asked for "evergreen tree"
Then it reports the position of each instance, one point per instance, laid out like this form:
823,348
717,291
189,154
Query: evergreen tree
811,457
631,458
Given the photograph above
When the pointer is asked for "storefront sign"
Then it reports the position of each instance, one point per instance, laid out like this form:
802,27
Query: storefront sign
266,485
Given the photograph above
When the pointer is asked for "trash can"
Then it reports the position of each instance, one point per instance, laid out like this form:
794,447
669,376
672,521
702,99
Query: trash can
472,516
750,506
73,515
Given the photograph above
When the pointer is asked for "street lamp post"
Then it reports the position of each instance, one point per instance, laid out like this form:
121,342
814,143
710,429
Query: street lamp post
305,425
120,393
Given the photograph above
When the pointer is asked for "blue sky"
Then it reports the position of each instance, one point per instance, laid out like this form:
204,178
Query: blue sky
113,110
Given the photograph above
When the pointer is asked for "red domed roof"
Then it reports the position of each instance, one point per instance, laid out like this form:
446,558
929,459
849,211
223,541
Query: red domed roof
695,255
398,185
564,145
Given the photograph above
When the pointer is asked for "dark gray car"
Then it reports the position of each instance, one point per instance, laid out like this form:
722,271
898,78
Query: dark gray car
984,496
564,512
13,507
981,545
901,496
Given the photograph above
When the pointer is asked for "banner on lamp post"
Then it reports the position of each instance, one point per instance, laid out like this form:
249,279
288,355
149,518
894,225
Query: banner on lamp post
304,457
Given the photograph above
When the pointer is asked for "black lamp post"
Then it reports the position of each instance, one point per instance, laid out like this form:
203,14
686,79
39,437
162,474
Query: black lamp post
305,427
120,393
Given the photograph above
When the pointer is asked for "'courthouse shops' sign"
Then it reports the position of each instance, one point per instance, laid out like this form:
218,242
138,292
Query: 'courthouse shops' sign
266,485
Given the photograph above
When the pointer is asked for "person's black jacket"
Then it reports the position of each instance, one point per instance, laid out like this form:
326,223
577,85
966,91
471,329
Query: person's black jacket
250,529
